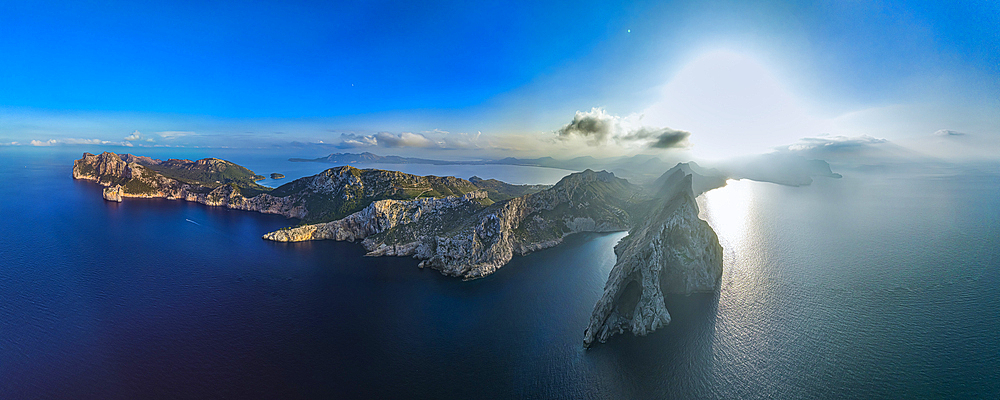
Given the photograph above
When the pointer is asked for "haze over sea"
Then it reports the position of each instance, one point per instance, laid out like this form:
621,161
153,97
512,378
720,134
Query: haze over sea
885,283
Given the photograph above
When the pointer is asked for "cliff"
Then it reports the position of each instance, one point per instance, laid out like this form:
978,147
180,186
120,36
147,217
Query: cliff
327,196
465,237
670,251
210,181
467,228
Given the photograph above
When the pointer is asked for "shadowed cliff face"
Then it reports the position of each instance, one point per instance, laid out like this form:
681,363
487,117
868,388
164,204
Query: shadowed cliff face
670,251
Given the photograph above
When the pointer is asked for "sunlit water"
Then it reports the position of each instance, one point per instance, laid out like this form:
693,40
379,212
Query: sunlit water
874,285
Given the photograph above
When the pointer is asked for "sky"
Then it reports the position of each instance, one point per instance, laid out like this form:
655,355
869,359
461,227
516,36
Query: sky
704,79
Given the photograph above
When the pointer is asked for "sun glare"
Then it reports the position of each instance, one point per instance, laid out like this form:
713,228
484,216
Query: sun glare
726,210
734,104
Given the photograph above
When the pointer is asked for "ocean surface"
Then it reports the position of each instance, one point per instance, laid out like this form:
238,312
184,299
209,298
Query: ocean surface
882,284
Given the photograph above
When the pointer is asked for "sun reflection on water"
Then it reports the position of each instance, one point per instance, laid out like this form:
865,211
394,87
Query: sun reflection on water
726,210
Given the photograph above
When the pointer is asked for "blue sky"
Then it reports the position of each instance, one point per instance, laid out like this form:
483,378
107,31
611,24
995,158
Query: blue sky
482,78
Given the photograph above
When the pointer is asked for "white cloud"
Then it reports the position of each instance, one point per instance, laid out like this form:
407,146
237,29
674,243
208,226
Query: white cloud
459,140
137,136
351,141
74,141
407,139
948,132
834,143
169,135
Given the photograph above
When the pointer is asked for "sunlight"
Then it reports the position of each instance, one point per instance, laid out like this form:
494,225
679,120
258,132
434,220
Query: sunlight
733,104
726,210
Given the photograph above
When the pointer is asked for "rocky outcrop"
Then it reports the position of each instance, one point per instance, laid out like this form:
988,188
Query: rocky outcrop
467,228
114,193
464,237
123,178
327,196
380,216
670,251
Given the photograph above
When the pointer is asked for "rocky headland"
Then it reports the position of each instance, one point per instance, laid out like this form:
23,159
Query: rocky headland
467,228
327,196
210,181
670,250
464,236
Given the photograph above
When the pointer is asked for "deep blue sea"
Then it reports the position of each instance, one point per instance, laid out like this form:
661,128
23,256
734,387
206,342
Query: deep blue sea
883,284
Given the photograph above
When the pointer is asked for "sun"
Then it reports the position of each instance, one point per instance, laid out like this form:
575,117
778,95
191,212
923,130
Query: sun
733,104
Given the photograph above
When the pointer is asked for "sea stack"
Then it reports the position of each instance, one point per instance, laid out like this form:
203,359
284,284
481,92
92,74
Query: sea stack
670,250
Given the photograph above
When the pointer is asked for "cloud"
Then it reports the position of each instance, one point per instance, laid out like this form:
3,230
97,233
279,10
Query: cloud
596,125
459,140
663,138
600,128
948,132
386,140
137,136
405,139
74,141
174,134
834,143
351,141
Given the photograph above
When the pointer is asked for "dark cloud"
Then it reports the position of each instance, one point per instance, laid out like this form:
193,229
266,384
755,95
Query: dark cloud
595,124
600,127
663,138
671,139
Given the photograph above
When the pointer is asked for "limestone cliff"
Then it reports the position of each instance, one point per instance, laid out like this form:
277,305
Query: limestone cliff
464,237
130,176
670,251
327,196
467,228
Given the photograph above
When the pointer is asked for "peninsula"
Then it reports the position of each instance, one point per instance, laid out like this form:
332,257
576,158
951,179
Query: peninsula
466,228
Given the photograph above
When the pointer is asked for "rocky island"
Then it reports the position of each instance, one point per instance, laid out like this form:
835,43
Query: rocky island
467,228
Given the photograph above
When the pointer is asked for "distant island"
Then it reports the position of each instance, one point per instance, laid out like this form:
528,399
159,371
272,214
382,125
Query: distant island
277,176
784,169
466,228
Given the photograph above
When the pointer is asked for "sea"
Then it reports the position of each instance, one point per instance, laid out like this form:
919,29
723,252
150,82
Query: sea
882,284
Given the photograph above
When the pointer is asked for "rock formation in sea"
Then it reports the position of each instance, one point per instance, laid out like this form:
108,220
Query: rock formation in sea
669,251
